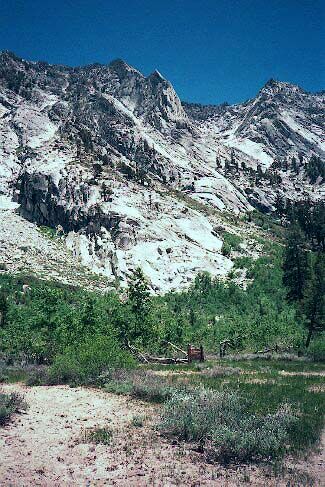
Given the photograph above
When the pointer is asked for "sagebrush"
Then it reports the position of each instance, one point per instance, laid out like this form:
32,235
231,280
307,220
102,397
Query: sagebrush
224,428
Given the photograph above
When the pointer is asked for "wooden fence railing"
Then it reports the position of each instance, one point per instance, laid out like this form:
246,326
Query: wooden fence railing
190,355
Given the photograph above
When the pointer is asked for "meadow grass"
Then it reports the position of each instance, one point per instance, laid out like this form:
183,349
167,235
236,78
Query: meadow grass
262,383
266,388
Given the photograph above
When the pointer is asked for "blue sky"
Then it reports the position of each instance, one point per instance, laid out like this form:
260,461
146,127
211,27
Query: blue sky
211,50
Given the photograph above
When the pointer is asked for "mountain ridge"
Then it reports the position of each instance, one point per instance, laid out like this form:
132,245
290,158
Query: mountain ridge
114,61
135,179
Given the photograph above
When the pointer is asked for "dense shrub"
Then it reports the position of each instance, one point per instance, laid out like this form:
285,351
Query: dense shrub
220,422
243,263
77,333
316,349
38,377
10,404
230,242
152,388
86,361
253,319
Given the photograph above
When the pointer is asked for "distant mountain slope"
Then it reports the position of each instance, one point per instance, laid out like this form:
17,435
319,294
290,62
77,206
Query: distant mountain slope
282,120
134,176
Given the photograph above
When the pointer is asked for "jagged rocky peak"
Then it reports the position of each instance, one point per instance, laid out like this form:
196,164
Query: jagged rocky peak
121,68
156,77
282,121
274,86
9,64
279,89
164,103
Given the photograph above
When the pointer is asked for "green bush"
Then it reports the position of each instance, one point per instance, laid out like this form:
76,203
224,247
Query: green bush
39,376
10,404
316,349
243,263
52,317
138,420
48,232
119,381
86,361
222,425
116,387
230,242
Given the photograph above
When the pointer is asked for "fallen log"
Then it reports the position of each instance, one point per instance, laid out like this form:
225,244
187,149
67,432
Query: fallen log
167,360
266,350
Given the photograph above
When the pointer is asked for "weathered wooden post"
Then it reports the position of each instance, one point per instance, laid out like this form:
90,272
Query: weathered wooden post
189,357
201,354
221,353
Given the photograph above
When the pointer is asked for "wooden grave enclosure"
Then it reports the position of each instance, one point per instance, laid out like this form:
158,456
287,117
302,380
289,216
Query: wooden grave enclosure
195,354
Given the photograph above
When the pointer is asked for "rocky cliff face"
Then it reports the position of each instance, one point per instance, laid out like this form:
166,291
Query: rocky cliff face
281,121
134,176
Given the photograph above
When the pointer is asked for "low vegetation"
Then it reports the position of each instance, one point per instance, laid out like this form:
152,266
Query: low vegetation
44,322
102,436
223,426
139,383
10,404
231,242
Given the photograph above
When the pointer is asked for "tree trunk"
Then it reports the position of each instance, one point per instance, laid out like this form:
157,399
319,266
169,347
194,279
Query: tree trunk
310,334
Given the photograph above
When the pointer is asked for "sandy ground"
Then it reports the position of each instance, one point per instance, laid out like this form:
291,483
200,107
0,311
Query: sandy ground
44,447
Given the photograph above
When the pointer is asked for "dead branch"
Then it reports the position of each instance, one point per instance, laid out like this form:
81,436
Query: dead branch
137,352
176,347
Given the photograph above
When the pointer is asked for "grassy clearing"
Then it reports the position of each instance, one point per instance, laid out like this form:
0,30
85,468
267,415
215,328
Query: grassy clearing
10,404
272,364
258,384
266,389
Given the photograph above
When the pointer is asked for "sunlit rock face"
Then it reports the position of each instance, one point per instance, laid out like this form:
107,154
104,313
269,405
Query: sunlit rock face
135,177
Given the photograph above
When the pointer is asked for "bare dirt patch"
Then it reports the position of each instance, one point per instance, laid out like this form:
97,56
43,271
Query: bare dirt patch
43,447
